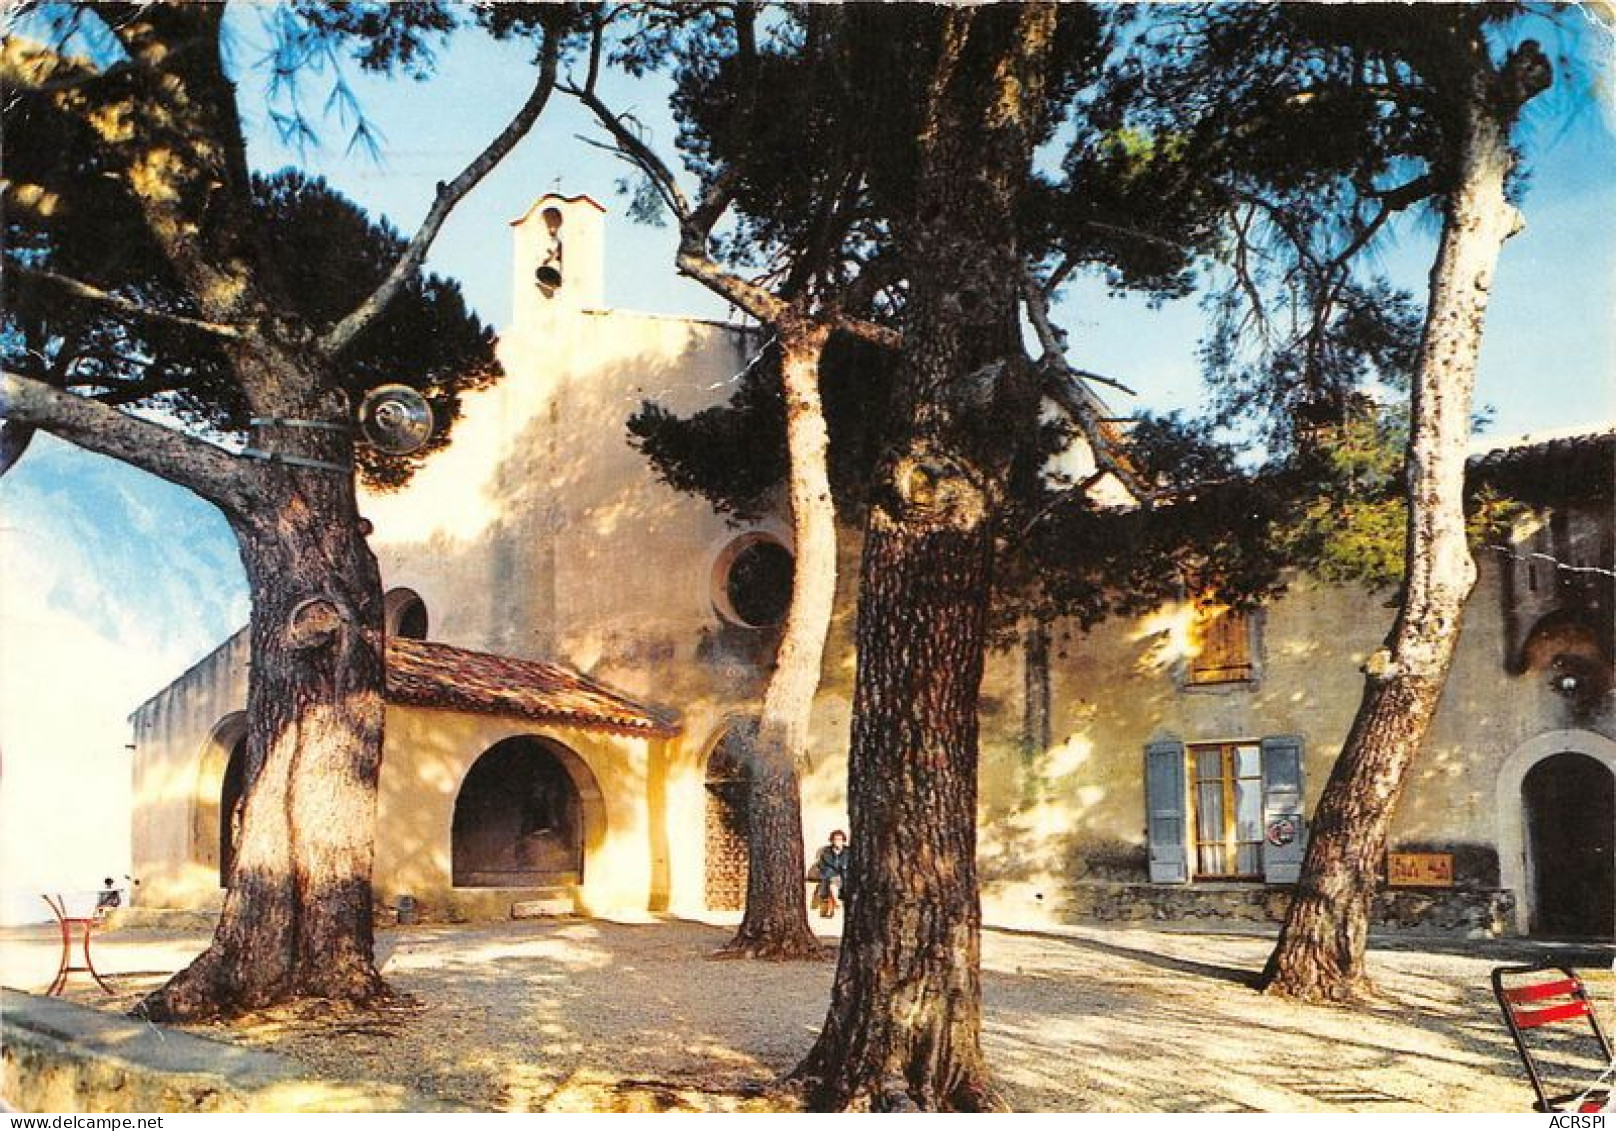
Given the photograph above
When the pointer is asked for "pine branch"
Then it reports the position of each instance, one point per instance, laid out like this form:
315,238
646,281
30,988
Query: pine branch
340,336
210,472
1066,387
697,220
126,307
14,441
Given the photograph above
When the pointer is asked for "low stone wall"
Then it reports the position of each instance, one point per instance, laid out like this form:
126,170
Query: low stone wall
1452,913
1447,913
158,919
59,1057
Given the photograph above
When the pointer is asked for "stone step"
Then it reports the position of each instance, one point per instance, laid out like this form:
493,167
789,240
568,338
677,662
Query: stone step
551,903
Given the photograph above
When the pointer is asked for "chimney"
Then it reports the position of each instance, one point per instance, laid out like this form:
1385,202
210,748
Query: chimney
560,259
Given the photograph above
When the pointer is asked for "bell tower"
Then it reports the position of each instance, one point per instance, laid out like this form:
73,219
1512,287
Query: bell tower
559,260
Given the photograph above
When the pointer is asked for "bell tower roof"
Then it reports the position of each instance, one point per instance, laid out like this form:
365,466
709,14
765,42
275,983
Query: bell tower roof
557,198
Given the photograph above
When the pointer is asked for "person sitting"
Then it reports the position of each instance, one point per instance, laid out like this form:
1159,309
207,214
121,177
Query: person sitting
108,899
830,869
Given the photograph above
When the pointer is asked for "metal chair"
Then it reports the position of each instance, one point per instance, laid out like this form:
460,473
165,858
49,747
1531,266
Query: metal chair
1561,1043
69,924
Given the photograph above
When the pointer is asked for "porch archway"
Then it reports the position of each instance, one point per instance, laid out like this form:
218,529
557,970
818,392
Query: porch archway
526,812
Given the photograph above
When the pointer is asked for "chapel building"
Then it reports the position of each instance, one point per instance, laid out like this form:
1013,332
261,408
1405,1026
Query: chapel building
577,651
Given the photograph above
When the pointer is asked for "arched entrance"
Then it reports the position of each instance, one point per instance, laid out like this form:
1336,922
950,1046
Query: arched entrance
1570,802
404,614
1521,831
519,820
220,786
728,781
231,795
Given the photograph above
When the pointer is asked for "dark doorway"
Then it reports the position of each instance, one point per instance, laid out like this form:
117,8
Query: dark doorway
1571,825
518,821
729,776
232,794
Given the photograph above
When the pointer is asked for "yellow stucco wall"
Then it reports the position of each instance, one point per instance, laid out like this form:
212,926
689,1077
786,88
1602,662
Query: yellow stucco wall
542,532
428,755
182,740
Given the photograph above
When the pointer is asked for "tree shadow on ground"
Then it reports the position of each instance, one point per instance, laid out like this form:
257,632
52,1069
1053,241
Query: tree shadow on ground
1233,974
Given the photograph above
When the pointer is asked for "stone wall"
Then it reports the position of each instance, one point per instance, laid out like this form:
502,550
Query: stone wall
1473,914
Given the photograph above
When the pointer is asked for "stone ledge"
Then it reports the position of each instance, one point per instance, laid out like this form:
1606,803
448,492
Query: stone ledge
141,918
1432,913
59,1057
1453,913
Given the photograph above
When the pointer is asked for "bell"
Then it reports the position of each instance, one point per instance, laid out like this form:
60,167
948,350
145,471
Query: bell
548,277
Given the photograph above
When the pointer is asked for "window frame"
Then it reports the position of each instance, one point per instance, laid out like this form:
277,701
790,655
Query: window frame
1230,844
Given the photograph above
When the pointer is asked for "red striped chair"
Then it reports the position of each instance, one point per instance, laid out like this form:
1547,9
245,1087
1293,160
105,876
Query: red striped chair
1558,1036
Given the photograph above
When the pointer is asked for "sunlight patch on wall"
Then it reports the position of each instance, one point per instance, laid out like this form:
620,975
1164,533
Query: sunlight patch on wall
1068,756
1171,637
1040,823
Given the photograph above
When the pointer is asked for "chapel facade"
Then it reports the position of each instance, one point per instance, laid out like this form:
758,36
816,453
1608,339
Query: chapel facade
577,652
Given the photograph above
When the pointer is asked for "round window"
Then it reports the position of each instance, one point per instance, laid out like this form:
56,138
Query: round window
757,584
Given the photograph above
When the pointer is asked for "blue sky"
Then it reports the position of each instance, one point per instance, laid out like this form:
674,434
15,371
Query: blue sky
114,582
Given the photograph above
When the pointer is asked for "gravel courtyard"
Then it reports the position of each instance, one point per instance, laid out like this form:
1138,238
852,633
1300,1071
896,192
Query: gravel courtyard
590,1014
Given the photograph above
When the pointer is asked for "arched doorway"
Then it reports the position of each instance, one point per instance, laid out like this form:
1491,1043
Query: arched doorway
232,793
519,818
220,785
729,774
1570,804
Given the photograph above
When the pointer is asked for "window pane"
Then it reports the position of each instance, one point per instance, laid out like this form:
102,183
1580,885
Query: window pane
1209,823
1248,761
1209,763
1209,811
1248,810
1285,766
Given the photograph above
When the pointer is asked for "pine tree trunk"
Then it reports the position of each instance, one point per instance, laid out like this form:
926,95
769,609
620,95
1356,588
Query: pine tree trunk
905,1020
775,924
1321,948
904,1026
297,918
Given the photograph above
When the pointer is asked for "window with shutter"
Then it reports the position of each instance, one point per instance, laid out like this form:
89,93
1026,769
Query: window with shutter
1228,803
1233,810
1222,641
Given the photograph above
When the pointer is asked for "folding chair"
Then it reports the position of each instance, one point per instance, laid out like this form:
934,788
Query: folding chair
1557,1034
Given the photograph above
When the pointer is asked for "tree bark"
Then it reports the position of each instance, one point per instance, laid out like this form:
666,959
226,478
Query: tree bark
297,919
1321,948
904,1026
775,924
905,1018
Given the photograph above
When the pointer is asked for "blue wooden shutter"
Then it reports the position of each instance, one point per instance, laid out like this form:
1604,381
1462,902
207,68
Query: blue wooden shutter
1284,825
1165,812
